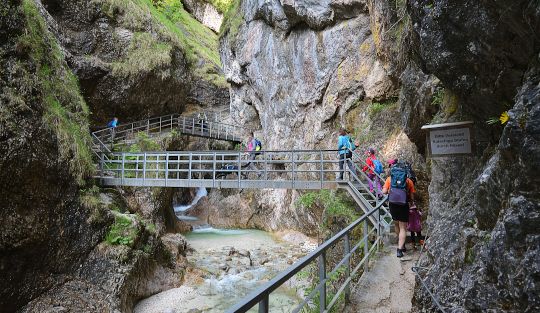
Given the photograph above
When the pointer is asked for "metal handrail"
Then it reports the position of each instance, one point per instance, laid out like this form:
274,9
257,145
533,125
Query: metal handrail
415,269
261,296
190,125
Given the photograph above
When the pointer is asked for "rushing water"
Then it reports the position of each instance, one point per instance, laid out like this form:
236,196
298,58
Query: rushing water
230,264
201,192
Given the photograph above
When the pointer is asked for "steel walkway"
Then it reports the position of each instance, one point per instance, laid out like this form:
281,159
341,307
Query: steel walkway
294,169
202,124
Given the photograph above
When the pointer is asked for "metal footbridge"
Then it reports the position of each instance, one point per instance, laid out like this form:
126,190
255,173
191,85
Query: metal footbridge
291,169
203,124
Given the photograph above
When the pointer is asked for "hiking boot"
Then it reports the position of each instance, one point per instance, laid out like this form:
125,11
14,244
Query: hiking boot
399,253
421,242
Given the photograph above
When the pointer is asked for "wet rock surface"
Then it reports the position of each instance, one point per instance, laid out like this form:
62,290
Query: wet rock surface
226,265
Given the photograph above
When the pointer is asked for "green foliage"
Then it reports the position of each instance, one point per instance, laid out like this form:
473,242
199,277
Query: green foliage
438,97
124,231
144,143
378,107
172,26
334,203
221,5
66,112
144,55
91,200
232,20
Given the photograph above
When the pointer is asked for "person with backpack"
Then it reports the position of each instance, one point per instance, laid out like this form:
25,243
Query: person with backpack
112,125
345,148
374,168
401,191
253,145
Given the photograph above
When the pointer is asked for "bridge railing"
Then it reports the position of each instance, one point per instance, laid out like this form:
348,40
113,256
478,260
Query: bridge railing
299,169
362,249
192,125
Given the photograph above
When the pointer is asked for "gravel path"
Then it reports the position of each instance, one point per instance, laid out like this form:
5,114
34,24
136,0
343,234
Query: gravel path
388,287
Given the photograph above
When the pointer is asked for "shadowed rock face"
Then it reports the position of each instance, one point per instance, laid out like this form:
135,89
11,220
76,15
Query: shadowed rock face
96,40
482,208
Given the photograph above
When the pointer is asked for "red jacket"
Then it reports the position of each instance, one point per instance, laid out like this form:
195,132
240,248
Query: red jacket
369,165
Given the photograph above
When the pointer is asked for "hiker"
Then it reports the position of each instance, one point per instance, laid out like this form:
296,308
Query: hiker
203,121
401,193
345,148
415,225
253,145
112,125
374,168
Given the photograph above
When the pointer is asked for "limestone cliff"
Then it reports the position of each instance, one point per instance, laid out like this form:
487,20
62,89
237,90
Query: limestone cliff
138,59
300,70
314,65
65,66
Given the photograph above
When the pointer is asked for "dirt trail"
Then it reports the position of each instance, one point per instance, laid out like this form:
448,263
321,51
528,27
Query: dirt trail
389,285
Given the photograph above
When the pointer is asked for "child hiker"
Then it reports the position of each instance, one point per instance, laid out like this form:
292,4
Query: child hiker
415,225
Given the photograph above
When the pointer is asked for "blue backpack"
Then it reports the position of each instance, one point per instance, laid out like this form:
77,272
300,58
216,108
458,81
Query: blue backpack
258,145
377,166
398,184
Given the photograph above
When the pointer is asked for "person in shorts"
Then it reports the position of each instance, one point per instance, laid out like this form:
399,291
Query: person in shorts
400,212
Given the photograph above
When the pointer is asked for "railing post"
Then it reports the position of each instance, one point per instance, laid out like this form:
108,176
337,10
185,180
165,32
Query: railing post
189,168
292,161
322,278
166,167
265,166
264,304
123,168
148,126
193,127
347,250
214,171
183,124
239,168
378,212
366,248
160,122
144,170
101,161
322,169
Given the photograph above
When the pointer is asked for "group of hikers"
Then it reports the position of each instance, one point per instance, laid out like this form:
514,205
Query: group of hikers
399,186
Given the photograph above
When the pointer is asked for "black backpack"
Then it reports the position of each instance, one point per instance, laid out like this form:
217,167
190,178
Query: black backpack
408,168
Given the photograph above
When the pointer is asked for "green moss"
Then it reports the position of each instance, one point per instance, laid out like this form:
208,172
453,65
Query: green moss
378,107
335,204
221,5
66,112
123,231
173,27
144,55
232,20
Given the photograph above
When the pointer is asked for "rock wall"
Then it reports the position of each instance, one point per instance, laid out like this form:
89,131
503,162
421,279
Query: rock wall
205,13
483,250
132,65
46,231
299,70
54,224
297,65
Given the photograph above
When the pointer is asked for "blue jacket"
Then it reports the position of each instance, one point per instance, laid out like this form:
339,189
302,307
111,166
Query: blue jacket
344,144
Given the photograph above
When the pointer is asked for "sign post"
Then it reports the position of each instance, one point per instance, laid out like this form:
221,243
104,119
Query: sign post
449,139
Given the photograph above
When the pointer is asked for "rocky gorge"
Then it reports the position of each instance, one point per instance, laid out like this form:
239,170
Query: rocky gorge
294,72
